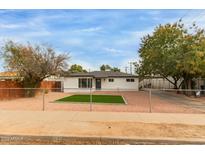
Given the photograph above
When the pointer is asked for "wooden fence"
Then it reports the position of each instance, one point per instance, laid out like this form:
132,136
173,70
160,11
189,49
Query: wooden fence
12,89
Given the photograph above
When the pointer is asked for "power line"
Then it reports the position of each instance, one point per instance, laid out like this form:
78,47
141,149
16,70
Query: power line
126,69
193,19
185,14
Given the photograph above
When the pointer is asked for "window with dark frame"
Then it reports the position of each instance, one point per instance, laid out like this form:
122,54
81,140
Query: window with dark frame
130,80
111,80
84,83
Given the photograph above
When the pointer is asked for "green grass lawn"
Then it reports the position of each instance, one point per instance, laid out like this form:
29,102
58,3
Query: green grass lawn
108,99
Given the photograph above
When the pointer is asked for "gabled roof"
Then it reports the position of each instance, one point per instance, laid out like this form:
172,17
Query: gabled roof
8,74
101,74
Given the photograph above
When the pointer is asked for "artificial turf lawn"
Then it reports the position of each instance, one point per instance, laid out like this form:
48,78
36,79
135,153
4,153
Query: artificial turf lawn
95,98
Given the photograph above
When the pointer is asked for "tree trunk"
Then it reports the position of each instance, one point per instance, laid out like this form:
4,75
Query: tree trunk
175,84
189,88
31,87
187,84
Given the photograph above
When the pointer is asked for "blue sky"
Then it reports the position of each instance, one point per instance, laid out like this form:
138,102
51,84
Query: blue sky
91,37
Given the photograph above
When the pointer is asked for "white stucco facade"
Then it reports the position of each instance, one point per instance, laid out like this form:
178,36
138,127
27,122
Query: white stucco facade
119,83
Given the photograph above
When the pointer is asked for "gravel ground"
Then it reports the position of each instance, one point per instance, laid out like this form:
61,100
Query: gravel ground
136,102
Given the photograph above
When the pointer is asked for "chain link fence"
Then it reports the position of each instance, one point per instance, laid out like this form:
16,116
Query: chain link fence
105,100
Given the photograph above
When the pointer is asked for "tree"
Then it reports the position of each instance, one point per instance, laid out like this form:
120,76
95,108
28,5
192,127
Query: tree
76,69
158,53
109,68
105,67
115,69
33,63
191,60
173,51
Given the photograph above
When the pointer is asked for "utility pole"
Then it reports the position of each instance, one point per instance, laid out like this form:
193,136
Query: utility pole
131,63
126,69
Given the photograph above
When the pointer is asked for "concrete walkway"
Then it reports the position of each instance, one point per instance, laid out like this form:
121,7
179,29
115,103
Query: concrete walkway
97,124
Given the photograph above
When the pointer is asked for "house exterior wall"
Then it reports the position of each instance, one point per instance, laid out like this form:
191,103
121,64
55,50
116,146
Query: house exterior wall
119,83
71,84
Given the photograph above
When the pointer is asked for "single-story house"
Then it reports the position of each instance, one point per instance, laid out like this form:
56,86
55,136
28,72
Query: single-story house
100,80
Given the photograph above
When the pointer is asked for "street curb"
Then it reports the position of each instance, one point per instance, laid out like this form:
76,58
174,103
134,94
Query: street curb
74,140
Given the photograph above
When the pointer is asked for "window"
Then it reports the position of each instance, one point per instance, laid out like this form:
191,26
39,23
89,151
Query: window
130,80
84,83
111,80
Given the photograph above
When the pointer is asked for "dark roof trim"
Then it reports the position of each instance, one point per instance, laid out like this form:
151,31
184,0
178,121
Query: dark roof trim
102,74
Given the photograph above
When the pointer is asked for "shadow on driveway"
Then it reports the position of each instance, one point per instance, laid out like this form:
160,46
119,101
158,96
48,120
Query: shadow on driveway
180,99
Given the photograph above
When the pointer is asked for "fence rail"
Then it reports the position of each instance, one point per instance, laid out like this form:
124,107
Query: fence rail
124,100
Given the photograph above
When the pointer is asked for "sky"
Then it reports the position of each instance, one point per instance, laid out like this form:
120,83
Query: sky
90,37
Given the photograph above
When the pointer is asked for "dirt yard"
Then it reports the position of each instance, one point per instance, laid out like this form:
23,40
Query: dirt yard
89,125
136,102
126,130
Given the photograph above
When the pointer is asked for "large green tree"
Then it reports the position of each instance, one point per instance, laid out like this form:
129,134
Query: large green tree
191,59
76,69
109,68
173,51
33,63
105,67
115,69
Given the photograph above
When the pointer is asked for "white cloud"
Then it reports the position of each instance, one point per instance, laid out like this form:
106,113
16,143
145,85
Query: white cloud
10,26
141,33
18,39
113,51
73,41
132,38
37,33
91,29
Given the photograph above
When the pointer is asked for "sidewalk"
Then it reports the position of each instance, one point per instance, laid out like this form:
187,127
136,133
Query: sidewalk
103,124
65,116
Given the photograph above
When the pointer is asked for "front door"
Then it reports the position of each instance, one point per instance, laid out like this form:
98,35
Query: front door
98,83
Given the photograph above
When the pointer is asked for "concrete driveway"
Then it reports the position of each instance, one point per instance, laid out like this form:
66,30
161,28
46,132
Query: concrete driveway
180,99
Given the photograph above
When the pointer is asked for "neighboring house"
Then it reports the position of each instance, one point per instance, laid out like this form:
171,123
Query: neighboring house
9,80
5,76
157,82
100,80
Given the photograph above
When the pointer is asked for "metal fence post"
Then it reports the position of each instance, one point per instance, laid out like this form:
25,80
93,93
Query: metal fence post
43,100
150,105
91,101
9,94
